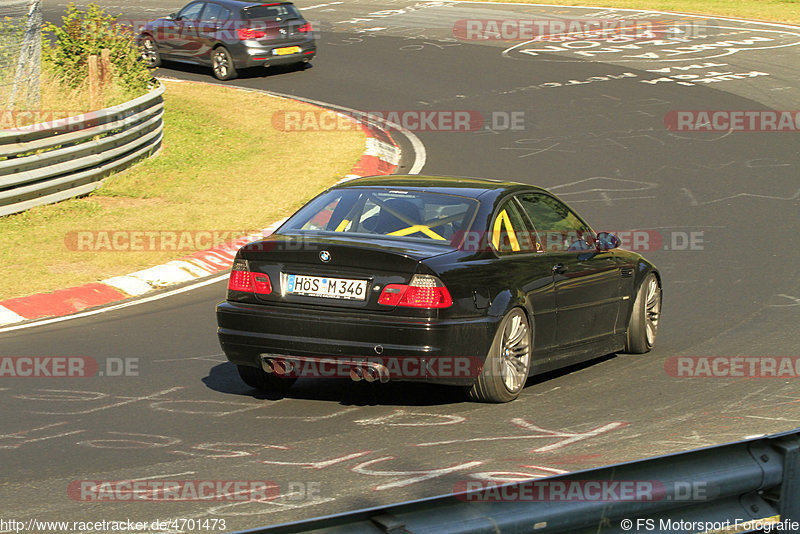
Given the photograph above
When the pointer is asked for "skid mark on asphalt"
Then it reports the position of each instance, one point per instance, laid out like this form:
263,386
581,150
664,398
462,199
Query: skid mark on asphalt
411,477
564,438
599,187
225,449
322,5
601,183
192,407
539,471
64,395
795,301
23,437
404,418
754,195
319,464
308,418
138,441
257,508
670,49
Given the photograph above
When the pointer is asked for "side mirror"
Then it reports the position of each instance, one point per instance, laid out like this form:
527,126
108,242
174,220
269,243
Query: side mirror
606,241
173,16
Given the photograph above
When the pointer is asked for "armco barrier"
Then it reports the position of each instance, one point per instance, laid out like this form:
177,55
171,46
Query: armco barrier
744,481
54,161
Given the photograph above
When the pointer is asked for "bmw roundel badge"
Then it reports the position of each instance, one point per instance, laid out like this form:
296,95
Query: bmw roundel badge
325,256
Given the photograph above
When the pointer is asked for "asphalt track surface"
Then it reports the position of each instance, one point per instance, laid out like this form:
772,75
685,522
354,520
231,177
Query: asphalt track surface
594,133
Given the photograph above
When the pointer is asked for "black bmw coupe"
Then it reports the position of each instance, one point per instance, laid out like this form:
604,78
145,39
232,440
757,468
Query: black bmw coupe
461,281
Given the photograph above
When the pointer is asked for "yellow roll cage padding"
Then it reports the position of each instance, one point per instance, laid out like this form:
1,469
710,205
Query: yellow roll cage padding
504,220
412,227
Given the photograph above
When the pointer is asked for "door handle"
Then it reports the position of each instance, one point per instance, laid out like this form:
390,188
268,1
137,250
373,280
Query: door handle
559,268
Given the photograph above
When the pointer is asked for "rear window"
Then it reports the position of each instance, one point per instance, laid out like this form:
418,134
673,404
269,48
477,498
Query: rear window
272,12
432,217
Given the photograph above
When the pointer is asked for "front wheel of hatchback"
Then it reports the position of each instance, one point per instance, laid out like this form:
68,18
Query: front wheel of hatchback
222,64
508,363
261,380
643,326
150,53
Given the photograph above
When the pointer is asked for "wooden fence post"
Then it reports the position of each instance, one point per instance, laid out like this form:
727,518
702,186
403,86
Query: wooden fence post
94,83
105,68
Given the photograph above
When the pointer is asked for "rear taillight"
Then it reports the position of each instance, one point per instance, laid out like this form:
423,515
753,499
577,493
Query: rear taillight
305,28
242,279
261,283
249,33
424,291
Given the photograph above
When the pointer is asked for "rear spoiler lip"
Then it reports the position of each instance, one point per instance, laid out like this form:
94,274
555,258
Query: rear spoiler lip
417,250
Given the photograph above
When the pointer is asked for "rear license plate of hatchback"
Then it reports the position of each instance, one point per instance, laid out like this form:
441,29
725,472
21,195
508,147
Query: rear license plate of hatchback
325,287
286,50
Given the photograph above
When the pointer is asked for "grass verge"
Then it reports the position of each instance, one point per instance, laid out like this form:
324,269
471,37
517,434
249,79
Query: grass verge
787,11
223,168
58,100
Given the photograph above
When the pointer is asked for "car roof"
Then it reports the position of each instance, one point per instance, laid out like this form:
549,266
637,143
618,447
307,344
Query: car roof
241,4
455,185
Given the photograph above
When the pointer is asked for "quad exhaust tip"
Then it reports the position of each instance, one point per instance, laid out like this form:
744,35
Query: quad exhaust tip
369,372
356,373
359,370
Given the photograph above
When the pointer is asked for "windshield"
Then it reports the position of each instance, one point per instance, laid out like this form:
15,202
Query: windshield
397,213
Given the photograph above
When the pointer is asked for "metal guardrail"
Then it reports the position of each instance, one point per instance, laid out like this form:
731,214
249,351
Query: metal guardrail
745,481
54,161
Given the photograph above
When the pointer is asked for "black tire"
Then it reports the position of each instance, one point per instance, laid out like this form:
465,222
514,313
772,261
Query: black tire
150,54
222,64
643,326
508,363
259,379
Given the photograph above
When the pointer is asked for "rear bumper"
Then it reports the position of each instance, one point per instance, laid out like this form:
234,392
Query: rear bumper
247,56
442,351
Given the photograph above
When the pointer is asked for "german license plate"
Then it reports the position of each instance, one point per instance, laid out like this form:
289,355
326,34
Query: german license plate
325,287
286,50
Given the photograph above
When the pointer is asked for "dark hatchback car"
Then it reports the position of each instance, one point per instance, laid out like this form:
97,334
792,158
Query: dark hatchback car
229,35
467,282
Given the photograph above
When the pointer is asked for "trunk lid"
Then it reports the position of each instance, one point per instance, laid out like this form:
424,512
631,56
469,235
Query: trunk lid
335,271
